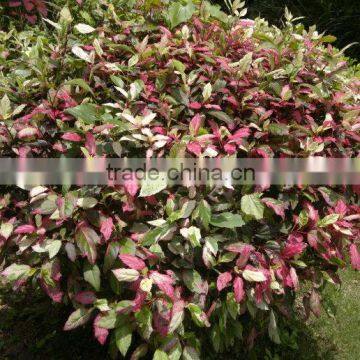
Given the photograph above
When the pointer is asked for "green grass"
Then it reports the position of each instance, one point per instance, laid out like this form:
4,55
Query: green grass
31,328
338,338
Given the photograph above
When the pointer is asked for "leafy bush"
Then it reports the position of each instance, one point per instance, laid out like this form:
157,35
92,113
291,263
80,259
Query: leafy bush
336,17
182,271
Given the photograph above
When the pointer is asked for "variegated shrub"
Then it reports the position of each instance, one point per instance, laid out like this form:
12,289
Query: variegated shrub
188,272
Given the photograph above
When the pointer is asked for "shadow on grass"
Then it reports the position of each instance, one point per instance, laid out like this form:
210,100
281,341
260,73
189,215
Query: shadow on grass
311,347
31,328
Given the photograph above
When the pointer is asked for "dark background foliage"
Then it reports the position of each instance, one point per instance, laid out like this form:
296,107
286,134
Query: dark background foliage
340,18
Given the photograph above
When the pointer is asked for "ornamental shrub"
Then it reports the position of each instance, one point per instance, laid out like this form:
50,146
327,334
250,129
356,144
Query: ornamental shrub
191,272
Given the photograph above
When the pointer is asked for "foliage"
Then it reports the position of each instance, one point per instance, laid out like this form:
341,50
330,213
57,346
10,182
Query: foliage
336,17
178,271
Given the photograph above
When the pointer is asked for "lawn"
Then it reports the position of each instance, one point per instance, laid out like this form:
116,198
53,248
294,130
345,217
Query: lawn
336,338
35,331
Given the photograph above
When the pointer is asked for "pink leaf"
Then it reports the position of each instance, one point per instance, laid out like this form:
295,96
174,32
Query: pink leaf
27,132
28,5
312,239
14,3
167,289
340,208
53,292
294,278
278,207
247,22
239,289
100,333
313,214
90,143
223,280
230,148
106,228
25,229
315,303
195,148
195,124
70,136
244,257
131,185
139,300
195,105
85,297
240,134
292,249
355,257
132,262
285,93
164,283
31,18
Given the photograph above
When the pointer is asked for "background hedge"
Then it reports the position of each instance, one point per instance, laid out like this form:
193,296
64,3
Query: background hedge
337,17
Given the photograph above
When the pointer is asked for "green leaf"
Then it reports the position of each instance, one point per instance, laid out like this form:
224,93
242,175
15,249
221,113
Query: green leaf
144,321
6,230
273,329
207,92
53,248
227,220
178,65
111,254
87,203
81,83
328,220
328,39
190,353
252,205
123,338
77,318
109,320
5,106
279,129
222,116
127,246
232,306
192,234
92,275
160,355
84,28
151,187
197,315
253,276
139,352
102,305
193,281
185,211
212,244
81,54
176,321
204,211
133,60
152,236
244,64
179,13
86,240
126,275
65,15
215,12
54,24
88,113
303,218
16,272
